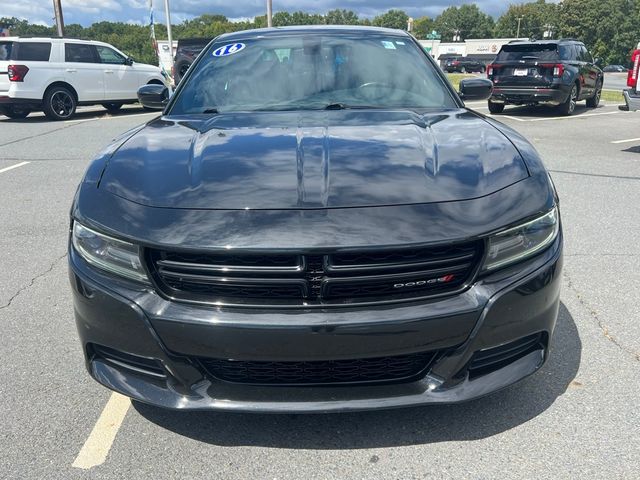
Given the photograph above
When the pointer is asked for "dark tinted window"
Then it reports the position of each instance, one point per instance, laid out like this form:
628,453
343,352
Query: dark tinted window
568,52
5,50
310,72
586,56
535,52
79,52
31,51
109,55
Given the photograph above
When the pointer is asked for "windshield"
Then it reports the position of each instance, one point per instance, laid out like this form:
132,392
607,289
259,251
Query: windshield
509,53
312,72
5,51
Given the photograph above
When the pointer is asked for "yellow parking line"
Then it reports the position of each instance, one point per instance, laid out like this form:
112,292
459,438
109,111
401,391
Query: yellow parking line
95,450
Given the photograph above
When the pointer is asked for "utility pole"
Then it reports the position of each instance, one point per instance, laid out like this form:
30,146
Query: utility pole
57,10
269,14
456,36
519,20
167,14
548,32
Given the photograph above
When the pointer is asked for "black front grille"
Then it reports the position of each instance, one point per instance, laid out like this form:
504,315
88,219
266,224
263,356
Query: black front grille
367,370
338,278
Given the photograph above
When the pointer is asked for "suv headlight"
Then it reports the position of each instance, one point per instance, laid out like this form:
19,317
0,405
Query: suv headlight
107,253
523,241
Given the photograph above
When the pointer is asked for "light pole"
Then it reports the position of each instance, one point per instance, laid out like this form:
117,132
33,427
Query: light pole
167,14
57,9
519,20
269,14
456,35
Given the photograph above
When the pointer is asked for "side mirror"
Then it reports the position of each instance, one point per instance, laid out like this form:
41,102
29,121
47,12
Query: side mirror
153,96
475,89
128,61
598,62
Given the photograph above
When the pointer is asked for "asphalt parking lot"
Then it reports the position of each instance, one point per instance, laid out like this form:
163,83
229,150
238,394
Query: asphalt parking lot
578,417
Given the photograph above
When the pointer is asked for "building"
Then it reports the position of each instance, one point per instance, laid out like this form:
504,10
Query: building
484,50
166,55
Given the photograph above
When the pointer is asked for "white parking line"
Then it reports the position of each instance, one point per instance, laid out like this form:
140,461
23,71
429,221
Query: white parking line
627,141
14,166
95,450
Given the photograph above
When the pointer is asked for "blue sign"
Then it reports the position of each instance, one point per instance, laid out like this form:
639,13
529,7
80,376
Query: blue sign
228,49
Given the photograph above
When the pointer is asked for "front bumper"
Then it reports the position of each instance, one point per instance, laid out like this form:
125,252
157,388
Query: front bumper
631,100
498,309
528,96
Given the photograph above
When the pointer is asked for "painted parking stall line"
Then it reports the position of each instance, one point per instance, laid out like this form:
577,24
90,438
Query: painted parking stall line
629,140
17,165
95,450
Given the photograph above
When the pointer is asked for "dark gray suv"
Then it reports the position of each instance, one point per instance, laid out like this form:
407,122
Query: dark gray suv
553,72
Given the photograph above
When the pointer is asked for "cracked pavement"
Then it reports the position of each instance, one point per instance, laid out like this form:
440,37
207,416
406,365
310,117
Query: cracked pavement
578,417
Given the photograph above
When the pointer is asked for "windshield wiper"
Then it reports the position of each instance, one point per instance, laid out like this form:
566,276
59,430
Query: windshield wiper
213,111
346,106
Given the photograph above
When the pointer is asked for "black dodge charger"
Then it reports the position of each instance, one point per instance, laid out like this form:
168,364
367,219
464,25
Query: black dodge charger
315,223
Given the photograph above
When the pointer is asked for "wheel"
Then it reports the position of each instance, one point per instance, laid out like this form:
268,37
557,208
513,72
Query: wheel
496,108
568,107
59,103
112,107
594,101
15,112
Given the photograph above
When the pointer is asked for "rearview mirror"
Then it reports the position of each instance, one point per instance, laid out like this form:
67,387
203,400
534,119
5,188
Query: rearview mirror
153,96
475,89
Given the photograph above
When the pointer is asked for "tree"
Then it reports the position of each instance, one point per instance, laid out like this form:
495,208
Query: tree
467,20
534,16
392,19
341,17
422,27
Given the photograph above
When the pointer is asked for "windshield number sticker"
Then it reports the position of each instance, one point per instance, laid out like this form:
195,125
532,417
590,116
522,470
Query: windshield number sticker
227,50
388,45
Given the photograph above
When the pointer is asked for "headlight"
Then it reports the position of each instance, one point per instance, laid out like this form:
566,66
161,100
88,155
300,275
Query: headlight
107,253
523,241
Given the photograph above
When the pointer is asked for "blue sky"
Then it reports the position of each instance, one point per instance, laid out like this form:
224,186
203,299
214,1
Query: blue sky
87,12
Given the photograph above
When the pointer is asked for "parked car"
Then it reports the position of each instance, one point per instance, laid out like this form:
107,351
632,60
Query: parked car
551,72
614,69
464,65
632,94
187,51
315,223
58,74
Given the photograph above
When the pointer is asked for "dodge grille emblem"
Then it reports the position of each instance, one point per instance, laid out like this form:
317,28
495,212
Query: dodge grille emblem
421,283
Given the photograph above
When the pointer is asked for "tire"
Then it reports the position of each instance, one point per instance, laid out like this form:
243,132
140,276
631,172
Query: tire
567,108
594,101
496,108
59,103
112,107
15,113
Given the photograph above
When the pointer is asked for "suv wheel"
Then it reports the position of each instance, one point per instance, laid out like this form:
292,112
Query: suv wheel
496,107
568,107
59,103
112,107
15,112
594,101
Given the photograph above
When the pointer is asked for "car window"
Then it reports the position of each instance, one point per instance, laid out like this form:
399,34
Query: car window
567,52
586,56
310,72
79,53
5,51
31,51
109,55
535,52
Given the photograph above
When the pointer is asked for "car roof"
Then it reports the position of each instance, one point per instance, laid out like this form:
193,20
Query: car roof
544,42
50,39
321,29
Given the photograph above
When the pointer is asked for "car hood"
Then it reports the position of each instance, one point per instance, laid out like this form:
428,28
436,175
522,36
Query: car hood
313,160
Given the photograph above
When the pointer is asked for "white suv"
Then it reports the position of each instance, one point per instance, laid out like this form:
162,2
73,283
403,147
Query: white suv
58,74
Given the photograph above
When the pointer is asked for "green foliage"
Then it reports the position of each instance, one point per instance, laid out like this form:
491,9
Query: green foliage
610,28
392,19
467,19
534,16
422,27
